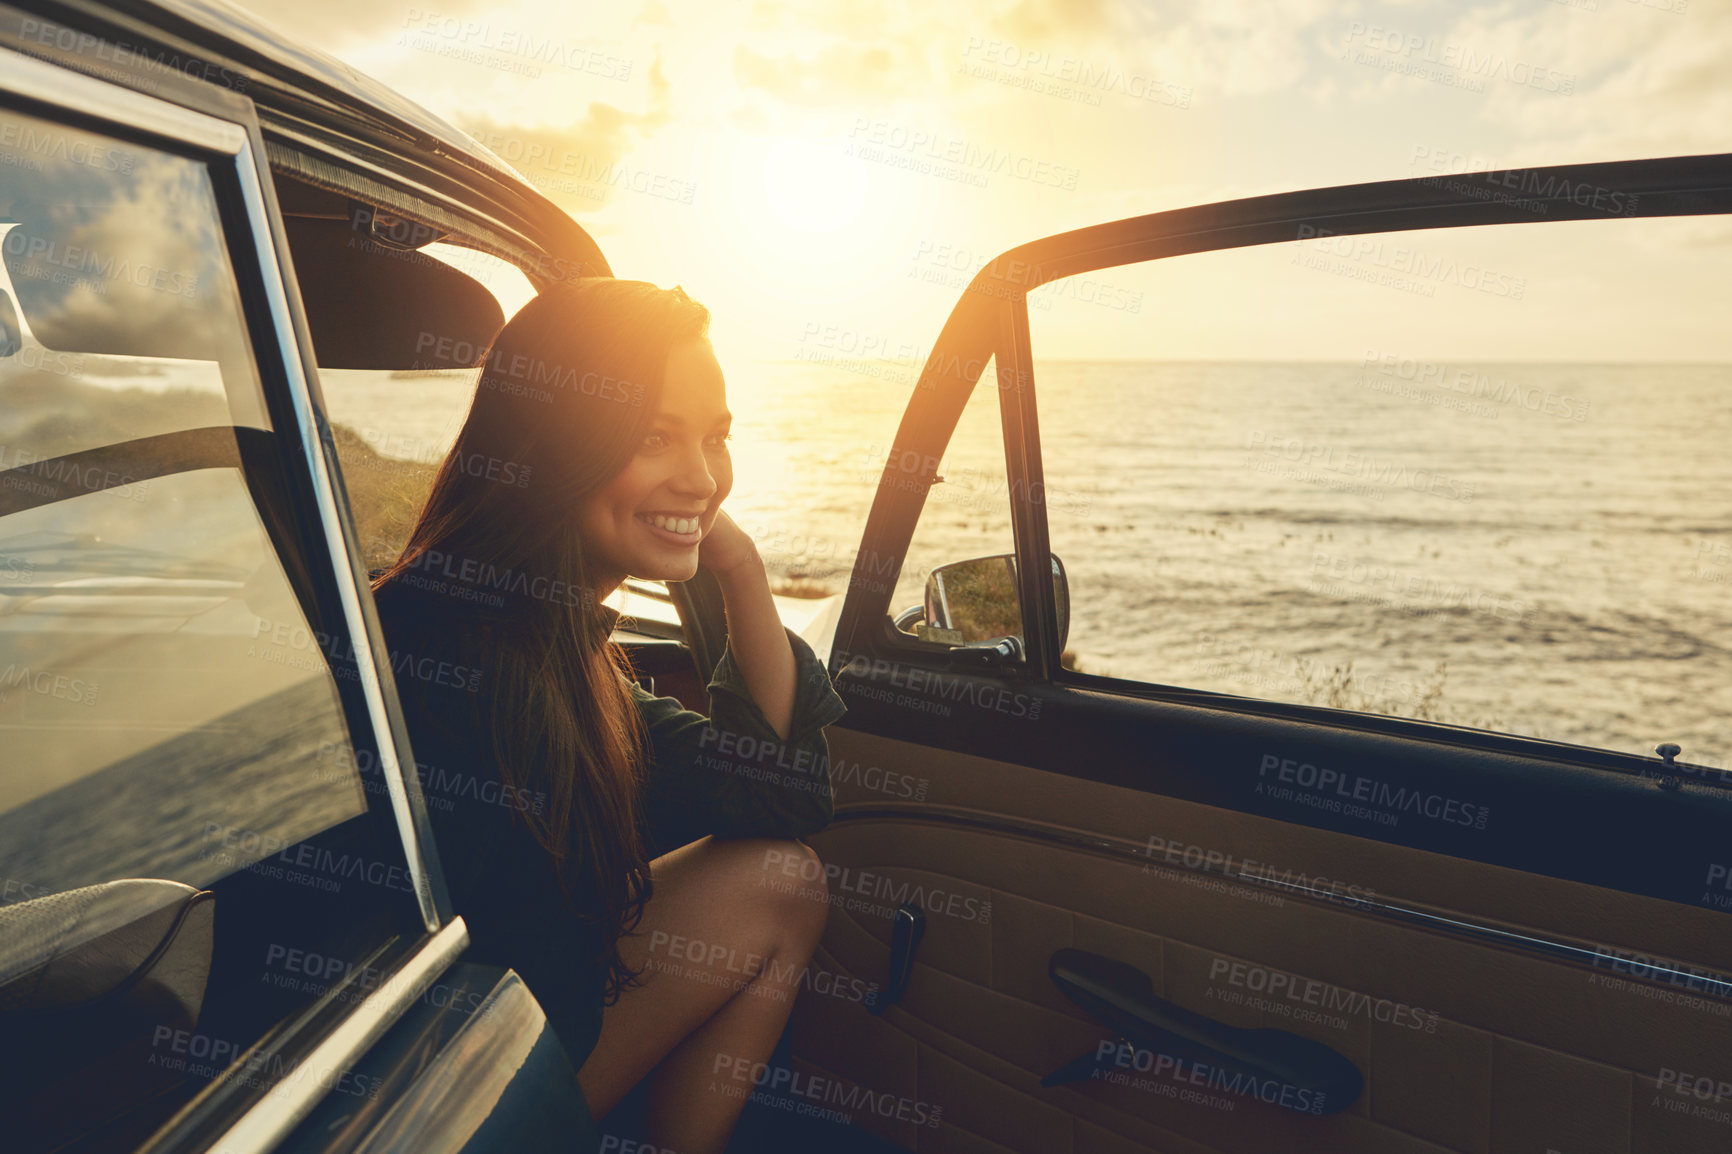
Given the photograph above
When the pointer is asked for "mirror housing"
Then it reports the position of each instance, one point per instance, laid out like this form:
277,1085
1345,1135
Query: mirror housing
974,602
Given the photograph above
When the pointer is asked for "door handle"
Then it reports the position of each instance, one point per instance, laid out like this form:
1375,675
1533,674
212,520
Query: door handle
1275,1066
907,927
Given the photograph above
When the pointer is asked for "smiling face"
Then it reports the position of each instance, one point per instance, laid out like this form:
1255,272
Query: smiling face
648,520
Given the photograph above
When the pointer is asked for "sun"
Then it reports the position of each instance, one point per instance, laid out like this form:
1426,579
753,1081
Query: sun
800,208
812,188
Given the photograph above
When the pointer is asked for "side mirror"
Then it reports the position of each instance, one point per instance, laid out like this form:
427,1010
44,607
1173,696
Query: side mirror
974,601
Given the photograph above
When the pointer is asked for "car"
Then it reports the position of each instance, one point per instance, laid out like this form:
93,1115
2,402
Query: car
1088,893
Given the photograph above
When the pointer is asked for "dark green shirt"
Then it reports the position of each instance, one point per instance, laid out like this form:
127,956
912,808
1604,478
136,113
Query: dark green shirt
726,774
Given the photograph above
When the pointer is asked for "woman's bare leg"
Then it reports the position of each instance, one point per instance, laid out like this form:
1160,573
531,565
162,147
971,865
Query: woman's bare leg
723,945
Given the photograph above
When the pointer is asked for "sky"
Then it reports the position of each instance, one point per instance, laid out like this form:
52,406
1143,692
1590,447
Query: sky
827,176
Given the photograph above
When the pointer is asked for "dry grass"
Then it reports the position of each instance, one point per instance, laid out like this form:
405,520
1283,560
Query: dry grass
1335,688
806,587
385,494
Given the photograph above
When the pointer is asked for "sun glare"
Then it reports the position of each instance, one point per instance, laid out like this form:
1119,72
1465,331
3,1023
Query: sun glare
811,188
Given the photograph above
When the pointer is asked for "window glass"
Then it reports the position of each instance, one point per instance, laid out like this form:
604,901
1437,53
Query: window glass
173,827
392,428
967,515
1474,476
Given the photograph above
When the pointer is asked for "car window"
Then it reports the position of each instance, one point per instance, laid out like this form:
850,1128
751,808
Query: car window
395,420
175,825
1473,476
966,519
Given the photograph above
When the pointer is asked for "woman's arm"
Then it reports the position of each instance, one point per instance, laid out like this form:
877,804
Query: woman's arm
755,633
758,765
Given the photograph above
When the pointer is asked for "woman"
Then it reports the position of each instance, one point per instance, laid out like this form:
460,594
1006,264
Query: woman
612,847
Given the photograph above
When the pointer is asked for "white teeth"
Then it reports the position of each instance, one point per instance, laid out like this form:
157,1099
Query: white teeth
674,524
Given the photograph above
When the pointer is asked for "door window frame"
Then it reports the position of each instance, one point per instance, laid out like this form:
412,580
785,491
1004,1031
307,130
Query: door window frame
993,313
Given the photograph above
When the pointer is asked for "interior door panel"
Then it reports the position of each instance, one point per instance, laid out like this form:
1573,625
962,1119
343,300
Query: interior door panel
1498,1049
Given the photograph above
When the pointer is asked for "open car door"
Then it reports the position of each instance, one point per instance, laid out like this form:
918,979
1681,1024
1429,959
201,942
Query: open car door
1338,832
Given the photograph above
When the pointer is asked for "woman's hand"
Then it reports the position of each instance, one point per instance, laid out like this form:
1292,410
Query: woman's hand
726,546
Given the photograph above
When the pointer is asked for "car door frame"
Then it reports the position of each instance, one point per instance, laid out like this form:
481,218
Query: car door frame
221,130
991,321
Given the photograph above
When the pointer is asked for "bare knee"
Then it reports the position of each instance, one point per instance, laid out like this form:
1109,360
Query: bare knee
789,876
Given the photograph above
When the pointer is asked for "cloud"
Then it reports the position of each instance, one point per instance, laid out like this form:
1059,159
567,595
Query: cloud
849,53
1643,79
124,262
579,164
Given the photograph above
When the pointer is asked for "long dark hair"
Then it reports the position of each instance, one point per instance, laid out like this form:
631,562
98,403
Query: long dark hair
568,390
